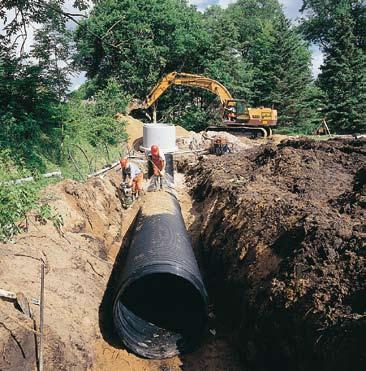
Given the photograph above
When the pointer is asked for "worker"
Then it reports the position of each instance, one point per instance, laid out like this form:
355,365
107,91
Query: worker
231,115
132,174
157,159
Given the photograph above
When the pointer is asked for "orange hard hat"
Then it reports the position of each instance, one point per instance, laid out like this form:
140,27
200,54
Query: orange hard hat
123,162
154,150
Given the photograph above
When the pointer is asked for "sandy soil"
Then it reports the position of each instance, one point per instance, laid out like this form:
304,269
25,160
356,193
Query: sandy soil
134,128
181,132
77,270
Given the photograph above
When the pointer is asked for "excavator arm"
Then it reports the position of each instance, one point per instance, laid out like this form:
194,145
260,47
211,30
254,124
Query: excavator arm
184,79
235,113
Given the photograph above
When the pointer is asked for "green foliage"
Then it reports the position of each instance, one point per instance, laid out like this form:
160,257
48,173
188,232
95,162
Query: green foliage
193,118
29,113
250,47
18,200
138,41
45,213
39,131
111,100
93,135
94,120
282,74
280,60
51,50
343,78
19,14
15,200
15,203
251,18
224,62
320,20
343,74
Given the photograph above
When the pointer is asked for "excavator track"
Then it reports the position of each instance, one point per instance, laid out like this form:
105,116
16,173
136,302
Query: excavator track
248,131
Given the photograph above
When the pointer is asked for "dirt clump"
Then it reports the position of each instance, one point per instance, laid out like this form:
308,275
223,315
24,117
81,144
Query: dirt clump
286,225
134,128
203,141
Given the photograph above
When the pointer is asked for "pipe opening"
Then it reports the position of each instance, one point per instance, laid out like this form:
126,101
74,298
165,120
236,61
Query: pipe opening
160,315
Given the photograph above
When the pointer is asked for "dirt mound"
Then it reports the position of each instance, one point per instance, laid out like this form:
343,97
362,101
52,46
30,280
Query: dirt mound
286,224
134,128
181,132
203,141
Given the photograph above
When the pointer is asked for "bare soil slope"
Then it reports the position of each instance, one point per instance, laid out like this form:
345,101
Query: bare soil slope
77,269
284,226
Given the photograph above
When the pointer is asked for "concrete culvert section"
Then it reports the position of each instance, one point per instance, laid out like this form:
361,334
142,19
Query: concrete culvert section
160,309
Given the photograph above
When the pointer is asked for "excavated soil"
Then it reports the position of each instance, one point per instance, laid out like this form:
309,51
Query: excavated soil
77,270
282,239
150,206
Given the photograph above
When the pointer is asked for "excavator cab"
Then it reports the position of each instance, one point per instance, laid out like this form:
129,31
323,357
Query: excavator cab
235,110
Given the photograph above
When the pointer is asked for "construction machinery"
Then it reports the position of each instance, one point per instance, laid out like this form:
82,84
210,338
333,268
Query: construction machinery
236,115
126,195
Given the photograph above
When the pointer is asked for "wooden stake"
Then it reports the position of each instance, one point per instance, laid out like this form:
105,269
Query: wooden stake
326,126
41,320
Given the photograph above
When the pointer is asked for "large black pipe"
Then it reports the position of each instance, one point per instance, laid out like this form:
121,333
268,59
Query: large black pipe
160,309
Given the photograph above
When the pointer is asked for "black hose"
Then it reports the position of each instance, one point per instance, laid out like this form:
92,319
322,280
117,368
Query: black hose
160,309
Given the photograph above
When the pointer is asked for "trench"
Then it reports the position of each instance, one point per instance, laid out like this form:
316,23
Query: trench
148,299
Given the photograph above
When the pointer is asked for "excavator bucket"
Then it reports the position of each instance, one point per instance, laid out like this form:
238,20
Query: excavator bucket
134,105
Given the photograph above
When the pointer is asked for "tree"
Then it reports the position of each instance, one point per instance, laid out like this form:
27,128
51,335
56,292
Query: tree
94,121
320,21
224,61
146,39
196,108
250,17
282,71
280,59
343,75
52,50
29,112
18,15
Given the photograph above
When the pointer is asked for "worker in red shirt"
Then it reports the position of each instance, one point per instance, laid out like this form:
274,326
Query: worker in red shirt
132,175
157,158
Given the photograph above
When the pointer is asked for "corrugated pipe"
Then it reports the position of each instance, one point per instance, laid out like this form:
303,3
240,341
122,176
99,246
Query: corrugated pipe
161,305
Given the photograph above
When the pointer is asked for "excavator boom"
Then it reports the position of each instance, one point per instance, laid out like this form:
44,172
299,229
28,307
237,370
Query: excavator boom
185,79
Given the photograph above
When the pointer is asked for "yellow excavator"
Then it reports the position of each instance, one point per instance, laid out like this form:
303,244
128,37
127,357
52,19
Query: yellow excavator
236,116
